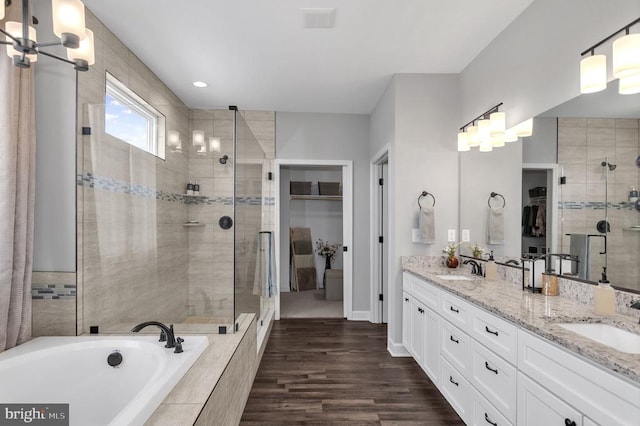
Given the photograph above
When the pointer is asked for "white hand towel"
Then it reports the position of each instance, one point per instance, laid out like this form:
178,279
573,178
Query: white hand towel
495,226
426,223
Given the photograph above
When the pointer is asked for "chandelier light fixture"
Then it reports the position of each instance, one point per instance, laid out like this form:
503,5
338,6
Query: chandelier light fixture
625,62
489,130
68,25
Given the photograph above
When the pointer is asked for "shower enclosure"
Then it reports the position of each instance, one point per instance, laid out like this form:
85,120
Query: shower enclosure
169,233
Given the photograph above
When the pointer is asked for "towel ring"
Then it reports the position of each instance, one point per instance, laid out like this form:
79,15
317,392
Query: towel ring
424,194
495,194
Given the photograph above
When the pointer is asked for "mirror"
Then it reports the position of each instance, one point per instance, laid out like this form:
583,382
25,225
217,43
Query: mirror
572,140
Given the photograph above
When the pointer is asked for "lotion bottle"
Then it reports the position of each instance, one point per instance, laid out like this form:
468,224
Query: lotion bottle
491,269
604,297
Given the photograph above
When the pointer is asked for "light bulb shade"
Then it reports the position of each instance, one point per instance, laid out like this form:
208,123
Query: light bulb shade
1,9
626,56
485,145
629,85
173,139
85,51
498,123
525,129
497,141
472,136
484,131
214,144
463,144
198,138
68,18
15,29
510,135
593,74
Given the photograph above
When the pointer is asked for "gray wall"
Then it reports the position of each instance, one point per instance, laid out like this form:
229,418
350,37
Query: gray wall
416,116
542,146
312,136
55,204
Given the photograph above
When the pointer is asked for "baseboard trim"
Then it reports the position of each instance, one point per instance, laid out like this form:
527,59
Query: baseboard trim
397,349
360,316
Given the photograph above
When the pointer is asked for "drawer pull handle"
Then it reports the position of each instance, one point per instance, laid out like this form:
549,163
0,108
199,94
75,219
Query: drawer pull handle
488,420
457,311
489,331
406,299
486,365
454,340
569,422
457,384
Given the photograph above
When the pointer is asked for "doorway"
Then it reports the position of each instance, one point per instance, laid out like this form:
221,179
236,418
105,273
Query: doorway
539,208
380,237
313,205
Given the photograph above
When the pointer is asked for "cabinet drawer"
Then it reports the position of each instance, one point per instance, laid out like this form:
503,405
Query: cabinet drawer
426,293
455,346
537,406
455,310
494,378
456,389
485,414
598,394
496,334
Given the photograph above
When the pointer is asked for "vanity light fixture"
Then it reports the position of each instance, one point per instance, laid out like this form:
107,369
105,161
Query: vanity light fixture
488,131
625,60
214,144
68,25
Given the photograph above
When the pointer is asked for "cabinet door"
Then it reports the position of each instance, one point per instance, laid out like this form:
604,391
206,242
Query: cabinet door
406,321
537,406
431,364
456,389
417,330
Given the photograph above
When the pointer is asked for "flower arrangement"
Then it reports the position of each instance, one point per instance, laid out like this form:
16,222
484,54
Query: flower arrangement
451,249
476,250
326,249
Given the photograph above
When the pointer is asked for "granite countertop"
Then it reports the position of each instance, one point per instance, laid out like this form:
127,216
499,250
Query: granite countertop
540,315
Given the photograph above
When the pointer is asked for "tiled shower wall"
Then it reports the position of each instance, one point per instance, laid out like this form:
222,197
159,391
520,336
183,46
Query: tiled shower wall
132,246
583,143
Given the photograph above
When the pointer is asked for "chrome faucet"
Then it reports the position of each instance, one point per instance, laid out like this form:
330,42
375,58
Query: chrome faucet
166,333
476,268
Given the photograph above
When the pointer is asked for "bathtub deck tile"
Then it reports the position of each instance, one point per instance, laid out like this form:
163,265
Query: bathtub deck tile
174,415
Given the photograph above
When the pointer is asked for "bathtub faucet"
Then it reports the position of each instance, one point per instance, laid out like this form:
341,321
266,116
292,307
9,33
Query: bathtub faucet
166,332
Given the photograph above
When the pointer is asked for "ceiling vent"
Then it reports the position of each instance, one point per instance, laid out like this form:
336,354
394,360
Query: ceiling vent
318,17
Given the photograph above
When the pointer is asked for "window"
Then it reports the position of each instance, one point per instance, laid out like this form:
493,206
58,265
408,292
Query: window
131,119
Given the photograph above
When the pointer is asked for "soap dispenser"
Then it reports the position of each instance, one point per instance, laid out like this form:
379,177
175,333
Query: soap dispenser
604,297
491,269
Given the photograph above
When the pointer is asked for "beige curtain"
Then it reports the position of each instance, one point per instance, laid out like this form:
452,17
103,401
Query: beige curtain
17,193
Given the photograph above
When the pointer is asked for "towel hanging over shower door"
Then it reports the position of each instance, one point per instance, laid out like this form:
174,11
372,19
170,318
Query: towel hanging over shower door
264,282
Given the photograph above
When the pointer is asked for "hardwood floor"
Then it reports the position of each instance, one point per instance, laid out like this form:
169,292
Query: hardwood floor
332,371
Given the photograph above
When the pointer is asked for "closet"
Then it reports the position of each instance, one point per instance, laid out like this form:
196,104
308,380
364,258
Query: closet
535,213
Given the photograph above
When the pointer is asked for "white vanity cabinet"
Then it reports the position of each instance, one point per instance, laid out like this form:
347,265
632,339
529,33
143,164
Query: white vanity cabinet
493,372
420,326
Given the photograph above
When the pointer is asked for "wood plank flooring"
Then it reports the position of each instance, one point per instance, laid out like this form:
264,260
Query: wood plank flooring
332,371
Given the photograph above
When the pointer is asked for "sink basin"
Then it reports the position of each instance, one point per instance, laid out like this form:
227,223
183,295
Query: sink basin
609,335
454,277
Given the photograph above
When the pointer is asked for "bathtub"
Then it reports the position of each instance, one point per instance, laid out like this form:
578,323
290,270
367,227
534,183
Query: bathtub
75,370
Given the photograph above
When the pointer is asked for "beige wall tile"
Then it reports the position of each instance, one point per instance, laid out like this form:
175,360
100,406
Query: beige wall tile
601,136
53,317
601,122
572,136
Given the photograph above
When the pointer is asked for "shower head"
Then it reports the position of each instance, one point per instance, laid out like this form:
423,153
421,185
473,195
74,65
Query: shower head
223,159
612,167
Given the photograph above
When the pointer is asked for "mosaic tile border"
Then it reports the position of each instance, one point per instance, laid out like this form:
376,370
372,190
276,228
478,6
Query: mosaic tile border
119,186
594,205
53,291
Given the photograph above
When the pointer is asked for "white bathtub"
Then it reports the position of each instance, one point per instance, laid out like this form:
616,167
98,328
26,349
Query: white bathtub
74,370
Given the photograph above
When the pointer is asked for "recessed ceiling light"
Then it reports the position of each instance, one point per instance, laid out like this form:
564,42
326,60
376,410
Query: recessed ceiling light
200,84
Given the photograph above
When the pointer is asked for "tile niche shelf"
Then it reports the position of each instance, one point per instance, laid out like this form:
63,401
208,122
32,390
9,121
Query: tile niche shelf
317,197
195,197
